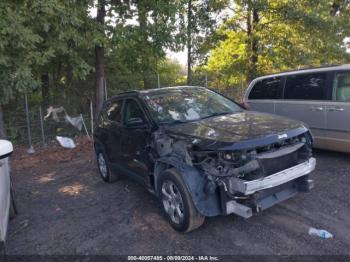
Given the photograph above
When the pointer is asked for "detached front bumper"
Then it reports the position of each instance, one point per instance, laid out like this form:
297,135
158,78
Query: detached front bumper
250,187
263,193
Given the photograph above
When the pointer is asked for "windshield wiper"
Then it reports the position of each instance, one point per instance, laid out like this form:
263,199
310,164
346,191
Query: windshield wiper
174,122
217,114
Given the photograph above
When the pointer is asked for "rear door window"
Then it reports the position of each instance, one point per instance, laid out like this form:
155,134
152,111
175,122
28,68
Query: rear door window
113,111
341,86
268,88
306,87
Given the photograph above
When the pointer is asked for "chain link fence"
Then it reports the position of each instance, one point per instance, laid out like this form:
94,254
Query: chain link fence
27,127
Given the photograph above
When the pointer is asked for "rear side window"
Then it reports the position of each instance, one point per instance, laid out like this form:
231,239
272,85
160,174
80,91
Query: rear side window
306,87
341,85
268,88
113,111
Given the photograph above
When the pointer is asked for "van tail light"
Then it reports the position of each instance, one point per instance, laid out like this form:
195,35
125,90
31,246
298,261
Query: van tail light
244,104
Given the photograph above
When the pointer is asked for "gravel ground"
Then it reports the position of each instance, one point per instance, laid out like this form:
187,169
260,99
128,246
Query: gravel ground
65,208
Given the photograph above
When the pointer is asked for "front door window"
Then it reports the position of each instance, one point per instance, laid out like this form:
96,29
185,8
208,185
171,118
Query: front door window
341,85
132,111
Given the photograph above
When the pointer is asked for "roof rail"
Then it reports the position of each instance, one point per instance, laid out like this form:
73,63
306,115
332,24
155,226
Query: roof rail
121,93
128,92
306,68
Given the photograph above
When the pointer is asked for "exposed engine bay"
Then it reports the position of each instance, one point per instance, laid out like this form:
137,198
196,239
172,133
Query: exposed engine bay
247,164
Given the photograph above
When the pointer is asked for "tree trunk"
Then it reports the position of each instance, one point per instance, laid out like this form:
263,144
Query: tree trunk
255,44
189,42
45,89
146,80
2,125
252,42
99,61
142,19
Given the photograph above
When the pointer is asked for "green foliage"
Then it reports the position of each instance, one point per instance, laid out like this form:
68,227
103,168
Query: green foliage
42,36
205,18
17,50
231,40
141,45
289,34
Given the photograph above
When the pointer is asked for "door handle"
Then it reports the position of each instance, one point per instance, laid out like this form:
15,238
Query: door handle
316,108
338,109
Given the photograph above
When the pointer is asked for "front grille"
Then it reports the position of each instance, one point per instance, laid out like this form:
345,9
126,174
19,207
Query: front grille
271,166
281,162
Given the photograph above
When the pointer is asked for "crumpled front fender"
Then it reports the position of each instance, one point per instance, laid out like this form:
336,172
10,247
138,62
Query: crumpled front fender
207,204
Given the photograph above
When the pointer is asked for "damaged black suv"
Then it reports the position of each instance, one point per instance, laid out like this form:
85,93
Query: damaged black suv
201,153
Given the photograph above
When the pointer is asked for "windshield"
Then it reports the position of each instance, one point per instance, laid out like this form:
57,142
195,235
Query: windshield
188,104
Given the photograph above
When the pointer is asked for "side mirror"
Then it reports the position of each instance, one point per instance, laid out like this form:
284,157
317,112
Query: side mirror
244,104
6,148
135,122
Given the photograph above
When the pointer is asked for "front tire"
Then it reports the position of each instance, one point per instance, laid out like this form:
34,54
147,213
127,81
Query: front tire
103,167
177,202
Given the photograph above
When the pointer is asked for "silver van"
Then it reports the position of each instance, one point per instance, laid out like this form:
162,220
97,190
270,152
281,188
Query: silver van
319,97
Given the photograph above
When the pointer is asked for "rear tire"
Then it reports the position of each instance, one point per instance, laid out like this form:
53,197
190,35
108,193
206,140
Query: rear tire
104,167
177,202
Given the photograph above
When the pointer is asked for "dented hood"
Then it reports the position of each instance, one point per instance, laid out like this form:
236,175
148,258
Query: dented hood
240,127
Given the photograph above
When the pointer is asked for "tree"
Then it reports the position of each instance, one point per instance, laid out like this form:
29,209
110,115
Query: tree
62,26
189,41
100,57
17,53
39,40
139,44
269,36
202,19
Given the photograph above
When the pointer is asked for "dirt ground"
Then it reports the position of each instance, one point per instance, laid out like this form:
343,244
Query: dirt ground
65,208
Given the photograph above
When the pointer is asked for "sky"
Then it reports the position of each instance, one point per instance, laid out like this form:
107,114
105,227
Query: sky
181,57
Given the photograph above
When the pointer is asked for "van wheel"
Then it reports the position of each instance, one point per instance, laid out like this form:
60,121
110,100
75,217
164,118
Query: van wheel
177,202
103,167
13,207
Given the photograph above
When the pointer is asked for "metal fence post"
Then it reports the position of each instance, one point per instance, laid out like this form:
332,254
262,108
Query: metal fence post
158,80
92,117
42,127
82,119
31,148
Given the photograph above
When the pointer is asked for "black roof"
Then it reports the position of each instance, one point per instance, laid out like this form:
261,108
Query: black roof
161,90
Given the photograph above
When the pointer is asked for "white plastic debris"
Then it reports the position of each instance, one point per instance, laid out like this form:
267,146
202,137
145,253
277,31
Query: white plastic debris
77,122
320,233
54,112
65,142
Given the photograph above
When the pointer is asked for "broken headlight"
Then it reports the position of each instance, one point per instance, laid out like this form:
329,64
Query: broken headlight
237,156
228,163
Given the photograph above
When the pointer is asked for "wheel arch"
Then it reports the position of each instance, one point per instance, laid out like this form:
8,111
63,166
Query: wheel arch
206,204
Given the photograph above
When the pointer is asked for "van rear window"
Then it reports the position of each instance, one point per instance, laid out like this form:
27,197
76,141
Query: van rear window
268,88
306,87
